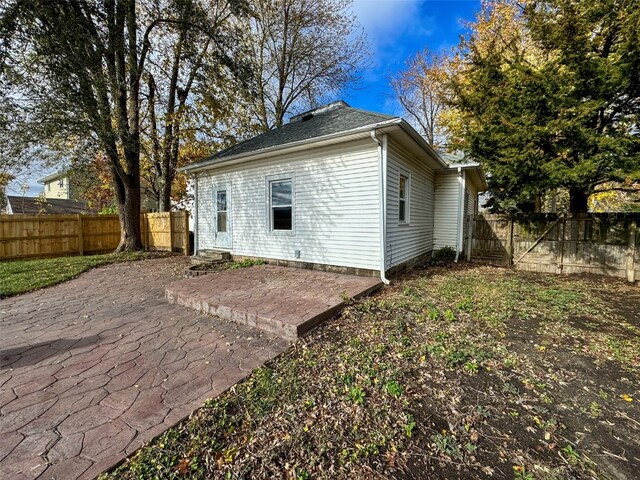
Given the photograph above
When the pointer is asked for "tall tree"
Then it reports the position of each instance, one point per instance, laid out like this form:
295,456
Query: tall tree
549,97
303,50
202,49
80,63
79,67
422,90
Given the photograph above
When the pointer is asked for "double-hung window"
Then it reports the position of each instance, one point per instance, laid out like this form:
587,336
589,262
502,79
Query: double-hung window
403,199
281,204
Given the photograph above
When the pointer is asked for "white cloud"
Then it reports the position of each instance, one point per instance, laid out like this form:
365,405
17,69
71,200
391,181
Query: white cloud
383,20
394,30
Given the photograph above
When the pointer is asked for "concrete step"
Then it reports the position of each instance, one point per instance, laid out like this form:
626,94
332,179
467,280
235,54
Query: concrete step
209,255
292,301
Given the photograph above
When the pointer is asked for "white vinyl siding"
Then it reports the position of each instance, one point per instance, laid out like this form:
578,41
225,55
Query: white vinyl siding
336,206
472,193
446,209
470,202
406,241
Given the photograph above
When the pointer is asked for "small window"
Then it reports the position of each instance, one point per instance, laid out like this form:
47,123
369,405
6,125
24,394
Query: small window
221,206
48,187
281,199
61,183
403,199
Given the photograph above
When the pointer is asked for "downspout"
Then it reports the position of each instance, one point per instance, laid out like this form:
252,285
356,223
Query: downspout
195,216
459,239
382,157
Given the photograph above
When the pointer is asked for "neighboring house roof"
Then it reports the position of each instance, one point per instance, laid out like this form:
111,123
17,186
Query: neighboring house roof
36,205
51,177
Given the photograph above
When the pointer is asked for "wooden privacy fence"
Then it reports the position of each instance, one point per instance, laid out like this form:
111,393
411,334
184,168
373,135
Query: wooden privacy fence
607,244
33,236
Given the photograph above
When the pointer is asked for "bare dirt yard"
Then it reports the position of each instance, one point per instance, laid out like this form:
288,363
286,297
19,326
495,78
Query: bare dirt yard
452,372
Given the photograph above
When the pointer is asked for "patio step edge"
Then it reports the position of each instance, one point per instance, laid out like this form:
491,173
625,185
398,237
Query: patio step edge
267,324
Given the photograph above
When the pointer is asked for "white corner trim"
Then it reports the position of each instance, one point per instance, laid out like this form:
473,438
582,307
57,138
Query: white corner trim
460,229
195,215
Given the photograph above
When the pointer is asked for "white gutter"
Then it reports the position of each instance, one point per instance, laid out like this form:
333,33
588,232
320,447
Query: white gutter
461,182
283,148
382,157
195,216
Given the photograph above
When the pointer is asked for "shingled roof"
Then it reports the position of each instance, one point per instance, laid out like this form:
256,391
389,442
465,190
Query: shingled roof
330,119
35,205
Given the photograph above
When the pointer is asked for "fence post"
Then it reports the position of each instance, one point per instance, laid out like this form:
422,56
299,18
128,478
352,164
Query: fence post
170,231
187,247
470,237
560,267
509,246
631,253
80,235
147,233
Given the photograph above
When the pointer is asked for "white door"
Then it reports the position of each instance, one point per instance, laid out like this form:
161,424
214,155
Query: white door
222,218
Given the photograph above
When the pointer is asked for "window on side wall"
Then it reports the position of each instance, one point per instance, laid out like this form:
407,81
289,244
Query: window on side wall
403,198
281,204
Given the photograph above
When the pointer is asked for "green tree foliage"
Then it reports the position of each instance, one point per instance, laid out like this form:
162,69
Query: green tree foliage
548,94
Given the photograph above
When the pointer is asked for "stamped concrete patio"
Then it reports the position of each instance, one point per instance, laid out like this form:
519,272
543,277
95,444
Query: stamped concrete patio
285,301
93,368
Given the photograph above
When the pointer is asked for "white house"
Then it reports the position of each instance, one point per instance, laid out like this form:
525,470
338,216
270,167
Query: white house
334,187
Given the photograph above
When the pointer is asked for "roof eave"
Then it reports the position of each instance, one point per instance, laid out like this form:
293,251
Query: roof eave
214,163
51,176
473,166
419,139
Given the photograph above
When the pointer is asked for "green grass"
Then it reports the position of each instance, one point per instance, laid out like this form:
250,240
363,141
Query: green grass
249,262
23,276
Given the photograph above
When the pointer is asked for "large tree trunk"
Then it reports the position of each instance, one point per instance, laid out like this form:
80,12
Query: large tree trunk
164,203
578,201
128,198
538,203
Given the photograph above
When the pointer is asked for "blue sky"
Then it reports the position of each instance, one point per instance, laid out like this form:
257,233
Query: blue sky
395,29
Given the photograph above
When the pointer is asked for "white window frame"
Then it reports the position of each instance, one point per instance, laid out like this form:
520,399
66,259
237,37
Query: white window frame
226,208
407,198
269,180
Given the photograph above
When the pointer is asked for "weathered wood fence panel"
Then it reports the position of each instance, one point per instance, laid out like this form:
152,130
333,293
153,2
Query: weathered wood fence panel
606,244
100,233
33,236
168,231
